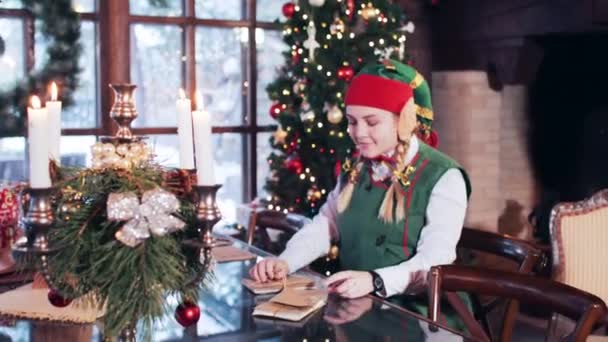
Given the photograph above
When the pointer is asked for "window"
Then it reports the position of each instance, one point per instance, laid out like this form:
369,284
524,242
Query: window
193,44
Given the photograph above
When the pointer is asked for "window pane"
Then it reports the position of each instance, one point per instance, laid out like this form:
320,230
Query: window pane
11,4
166,149
156,62
269,10
219,9
83,6
269,59
220,73
12,159
165,8
83,113
76,150
228,153
263,151
12,64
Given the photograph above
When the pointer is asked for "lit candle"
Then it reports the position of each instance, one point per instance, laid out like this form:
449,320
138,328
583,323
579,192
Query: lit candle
53,109
201,121
38,143
184,132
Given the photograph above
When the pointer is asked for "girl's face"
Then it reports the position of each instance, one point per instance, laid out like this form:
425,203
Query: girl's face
373,131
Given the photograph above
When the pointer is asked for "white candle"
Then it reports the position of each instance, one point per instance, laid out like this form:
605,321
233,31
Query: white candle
184,132
53,109
37,130
201,121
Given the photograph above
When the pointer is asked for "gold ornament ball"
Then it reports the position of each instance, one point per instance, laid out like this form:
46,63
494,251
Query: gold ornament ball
122,149
337,26
334,251
97,149
97,164
368,12
124,164
135,148
111,159
108,149
335,115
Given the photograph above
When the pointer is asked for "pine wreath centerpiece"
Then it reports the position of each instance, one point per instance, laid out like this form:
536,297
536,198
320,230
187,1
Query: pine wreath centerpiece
121,231
60,25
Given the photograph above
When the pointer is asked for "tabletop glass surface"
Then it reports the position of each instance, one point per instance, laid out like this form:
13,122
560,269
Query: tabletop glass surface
226,315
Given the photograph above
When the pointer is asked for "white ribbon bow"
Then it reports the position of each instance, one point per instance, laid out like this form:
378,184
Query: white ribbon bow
153,215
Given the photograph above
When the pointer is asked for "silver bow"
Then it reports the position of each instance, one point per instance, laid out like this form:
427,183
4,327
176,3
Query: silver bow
153,215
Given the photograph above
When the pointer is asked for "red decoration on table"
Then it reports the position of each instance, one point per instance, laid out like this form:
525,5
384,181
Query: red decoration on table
289,9
277,108
187,313
294,165
345,73
58,300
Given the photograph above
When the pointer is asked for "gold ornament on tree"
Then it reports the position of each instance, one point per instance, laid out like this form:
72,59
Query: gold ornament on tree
334,115
279,135
307,113
368,11
337,26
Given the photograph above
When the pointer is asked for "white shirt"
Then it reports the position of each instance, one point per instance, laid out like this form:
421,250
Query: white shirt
436,246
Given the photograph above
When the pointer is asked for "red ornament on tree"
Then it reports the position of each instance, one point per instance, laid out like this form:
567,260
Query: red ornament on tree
350,4
345,73
295,58
289,9
337,168
187,313
294,165
276,109
58,300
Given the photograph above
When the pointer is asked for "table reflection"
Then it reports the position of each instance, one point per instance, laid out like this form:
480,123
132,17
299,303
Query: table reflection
226,308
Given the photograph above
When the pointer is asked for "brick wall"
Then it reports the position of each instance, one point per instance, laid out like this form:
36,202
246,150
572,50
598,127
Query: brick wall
485,131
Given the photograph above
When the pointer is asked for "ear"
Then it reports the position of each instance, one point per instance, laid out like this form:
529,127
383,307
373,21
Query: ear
407,120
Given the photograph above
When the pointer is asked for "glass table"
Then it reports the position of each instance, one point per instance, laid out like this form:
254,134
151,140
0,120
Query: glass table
226,309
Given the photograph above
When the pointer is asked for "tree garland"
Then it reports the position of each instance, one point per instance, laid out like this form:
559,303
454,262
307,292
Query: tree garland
61,26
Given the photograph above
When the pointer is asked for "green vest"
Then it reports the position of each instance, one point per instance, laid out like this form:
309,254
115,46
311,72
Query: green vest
368,243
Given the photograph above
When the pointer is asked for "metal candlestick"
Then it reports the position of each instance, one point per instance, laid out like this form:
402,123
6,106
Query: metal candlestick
207,214
123,110
37,221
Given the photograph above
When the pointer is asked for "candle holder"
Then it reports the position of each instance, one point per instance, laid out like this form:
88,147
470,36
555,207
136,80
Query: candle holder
207,215
123,110
37,220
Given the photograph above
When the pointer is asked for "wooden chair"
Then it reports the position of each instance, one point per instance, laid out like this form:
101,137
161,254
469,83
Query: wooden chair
528,257
584,308
261,221
579,236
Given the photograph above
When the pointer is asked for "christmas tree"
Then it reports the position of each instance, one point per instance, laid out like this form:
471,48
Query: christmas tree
329,41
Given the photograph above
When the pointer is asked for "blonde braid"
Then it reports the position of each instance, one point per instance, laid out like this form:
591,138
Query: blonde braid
385,213
347,192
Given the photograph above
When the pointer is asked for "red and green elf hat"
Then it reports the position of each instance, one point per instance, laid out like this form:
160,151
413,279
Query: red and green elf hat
397,88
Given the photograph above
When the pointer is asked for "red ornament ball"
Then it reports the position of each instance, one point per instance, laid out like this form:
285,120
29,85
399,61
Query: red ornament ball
187,313
295,165
346,73
289,9
276,109
58,300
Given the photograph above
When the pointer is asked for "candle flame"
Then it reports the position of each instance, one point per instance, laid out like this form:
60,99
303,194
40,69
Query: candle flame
200,105
35,101
182,94
53,91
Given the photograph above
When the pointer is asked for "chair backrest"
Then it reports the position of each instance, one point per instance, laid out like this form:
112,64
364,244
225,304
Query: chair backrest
526,254
584,308
260,221
579,236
